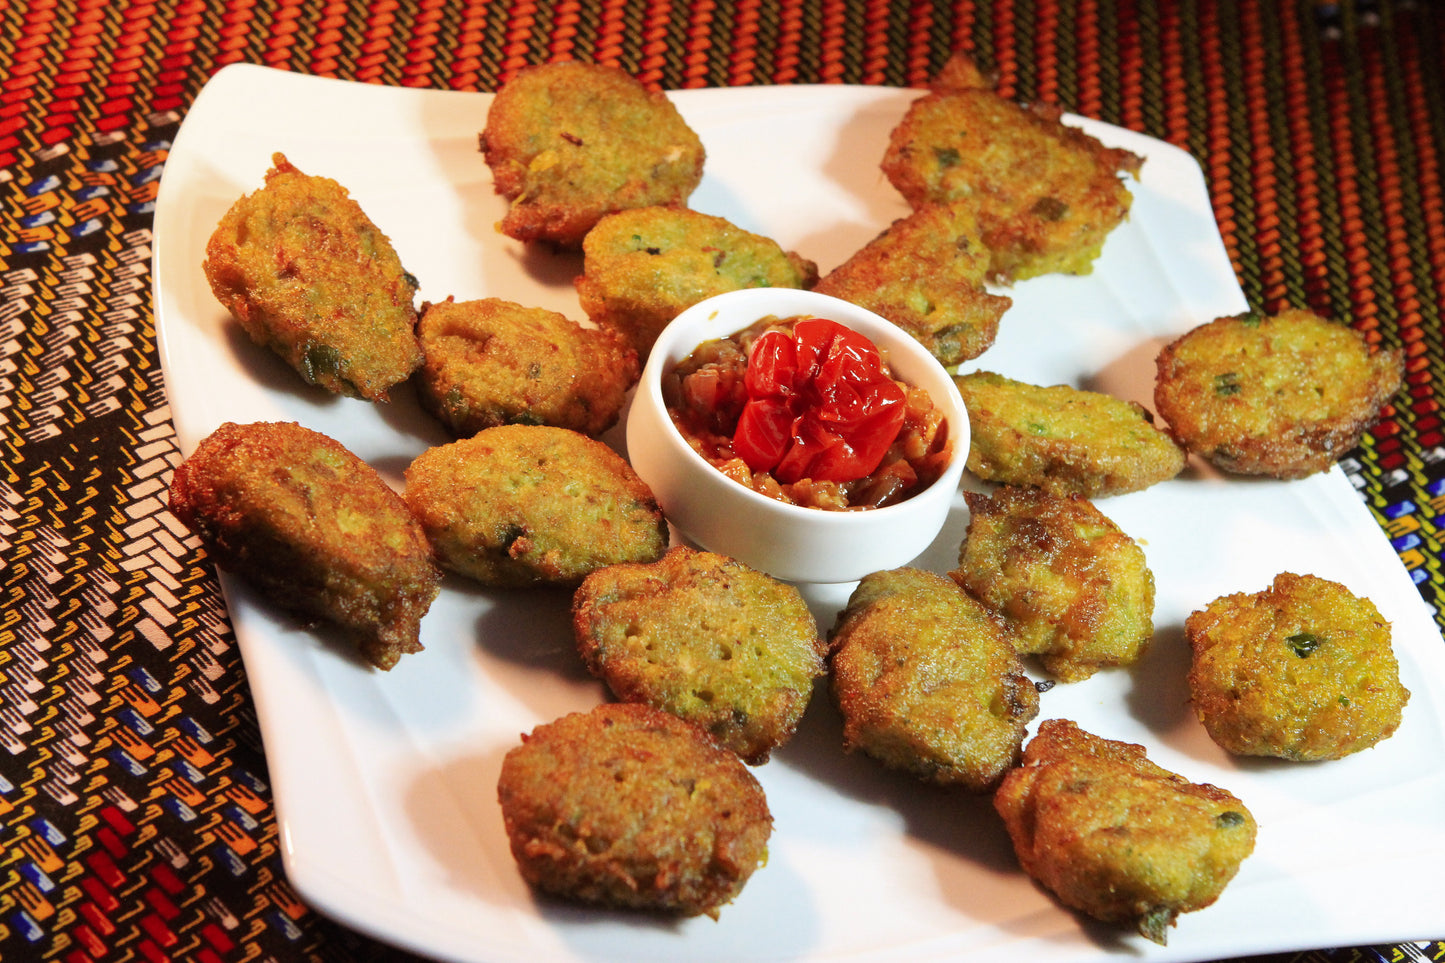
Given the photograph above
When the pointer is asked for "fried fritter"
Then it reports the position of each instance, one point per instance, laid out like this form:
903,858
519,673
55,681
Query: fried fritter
1046,194
314,528
1070,585
1284,396
1063,439
570,142
308,275
1114,835
925,274
1302,670
642,268
927,682
521,505
706,638
492,362
628,806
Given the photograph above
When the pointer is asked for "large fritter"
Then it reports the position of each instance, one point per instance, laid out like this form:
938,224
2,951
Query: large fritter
706,638
628,806
1112,834
308,275
314,528
928,682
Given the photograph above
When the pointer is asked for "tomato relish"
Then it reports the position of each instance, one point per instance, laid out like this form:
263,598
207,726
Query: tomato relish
806,411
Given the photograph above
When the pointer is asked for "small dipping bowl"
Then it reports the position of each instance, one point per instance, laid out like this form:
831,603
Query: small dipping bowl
789,542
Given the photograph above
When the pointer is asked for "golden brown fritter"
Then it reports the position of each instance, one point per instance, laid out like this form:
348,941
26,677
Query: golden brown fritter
1063,439
642,268
628,806
1284,396
492,362
308,275
706,638
925,274
313,528
1112,834
927,682
1046,194
521,505
570,142
1301,670
1069,584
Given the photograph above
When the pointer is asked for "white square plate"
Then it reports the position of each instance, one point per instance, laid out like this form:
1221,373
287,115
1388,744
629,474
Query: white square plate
385,783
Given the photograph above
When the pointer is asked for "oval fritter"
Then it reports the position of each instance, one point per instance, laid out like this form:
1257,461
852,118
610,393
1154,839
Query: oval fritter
1116,836
492,362
707,638
308,275
525,505
1302,670
1070,585
928,682
1063,439
570,142
628,806
1284,396
314,528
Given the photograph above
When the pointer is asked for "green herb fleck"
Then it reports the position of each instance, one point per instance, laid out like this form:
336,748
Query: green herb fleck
1227,384
319,361
1229,819
1303,643
947,156
1049,209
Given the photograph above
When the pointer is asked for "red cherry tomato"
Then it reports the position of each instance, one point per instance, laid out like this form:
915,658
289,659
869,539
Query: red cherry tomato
819,405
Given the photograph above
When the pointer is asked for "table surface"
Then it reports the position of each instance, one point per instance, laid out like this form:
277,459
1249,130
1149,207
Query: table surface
135,814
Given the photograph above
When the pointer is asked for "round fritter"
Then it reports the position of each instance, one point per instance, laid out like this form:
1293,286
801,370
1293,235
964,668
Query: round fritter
1284,396
925,274
1114,835
1301,670
493,362
522,505
928,682
308,275
1063,439
570,142
314,528
628,806
642,268
706,638
1046,194
1071,586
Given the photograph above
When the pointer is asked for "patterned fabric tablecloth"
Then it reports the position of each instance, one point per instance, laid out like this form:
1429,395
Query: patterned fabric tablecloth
135,811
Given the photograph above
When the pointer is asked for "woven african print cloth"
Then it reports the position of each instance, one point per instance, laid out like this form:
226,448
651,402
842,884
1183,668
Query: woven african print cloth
136,820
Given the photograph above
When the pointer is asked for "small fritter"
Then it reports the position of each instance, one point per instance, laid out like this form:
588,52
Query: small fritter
925,274
1283,396
308,275
570,142
493,362
706,638
313,528
927,682
521,505
628,806
1114,835
642,268
1046,194
1069,584
1302,670
1063,439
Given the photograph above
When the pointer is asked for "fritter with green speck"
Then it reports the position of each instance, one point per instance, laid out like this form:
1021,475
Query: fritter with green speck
1284,396
308,275
1063,439
313,528
630,807
521,505
927,682
1112,834
706,638
1302,670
